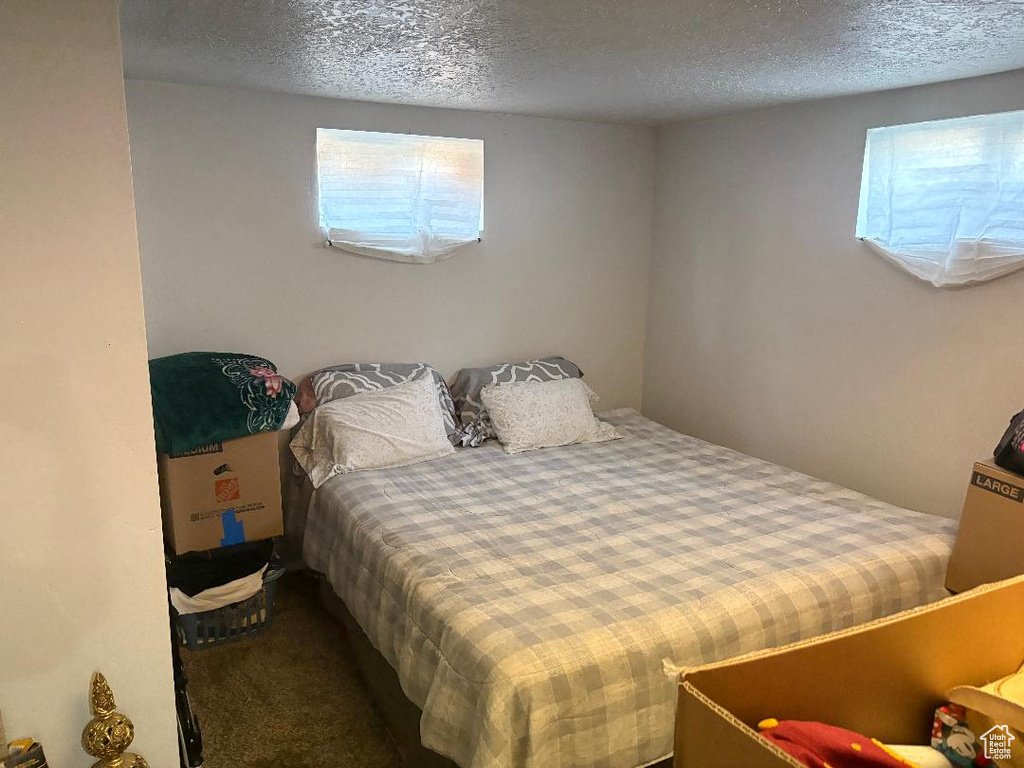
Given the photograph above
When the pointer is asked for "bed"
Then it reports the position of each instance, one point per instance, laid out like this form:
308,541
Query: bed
537,607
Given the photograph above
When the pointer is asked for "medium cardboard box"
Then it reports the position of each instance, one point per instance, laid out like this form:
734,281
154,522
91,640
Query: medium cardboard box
221,494
883,679
990,543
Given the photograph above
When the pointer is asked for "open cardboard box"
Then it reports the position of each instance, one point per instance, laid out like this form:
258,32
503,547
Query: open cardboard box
883,679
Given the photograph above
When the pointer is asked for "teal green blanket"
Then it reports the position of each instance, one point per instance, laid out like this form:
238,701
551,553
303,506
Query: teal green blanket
206,397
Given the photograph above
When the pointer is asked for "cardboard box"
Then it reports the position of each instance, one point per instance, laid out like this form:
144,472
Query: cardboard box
990,543
222,494
883,679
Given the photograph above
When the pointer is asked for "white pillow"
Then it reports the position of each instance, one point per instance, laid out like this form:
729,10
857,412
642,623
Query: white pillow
394,427
542,414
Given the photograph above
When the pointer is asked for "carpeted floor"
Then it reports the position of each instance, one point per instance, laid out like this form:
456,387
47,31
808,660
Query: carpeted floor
289,698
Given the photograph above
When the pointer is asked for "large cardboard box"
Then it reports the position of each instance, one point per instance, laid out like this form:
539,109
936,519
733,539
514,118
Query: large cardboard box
883,680
221,494
990,543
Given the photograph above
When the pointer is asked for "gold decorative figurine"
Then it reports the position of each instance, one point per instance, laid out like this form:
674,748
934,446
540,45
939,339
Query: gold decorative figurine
109,733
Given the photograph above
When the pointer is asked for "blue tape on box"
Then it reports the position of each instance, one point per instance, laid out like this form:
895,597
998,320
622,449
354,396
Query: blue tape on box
234,530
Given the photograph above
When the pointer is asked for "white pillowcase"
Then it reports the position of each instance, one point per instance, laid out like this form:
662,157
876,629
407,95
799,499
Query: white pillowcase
543,414
394,427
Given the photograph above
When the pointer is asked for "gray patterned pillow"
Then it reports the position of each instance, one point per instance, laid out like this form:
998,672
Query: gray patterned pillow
476,425
340,381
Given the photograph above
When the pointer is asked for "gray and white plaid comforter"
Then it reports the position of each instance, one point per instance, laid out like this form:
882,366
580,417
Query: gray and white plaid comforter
532,604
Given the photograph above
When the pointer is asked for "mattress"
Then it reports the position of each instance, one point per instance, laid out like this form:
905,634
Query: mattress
537,607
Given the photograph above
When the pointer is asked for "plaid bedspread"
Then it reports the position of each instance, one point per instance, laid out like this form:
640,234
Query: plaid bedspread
534,605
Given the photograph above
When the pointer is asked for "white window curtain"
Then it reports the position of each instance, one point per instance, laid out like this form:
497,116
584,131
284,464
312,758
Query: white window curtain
945,200
398,197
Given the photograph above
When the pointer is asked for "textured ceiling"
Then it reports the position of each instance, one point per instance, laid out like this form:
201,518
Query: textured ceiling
642,61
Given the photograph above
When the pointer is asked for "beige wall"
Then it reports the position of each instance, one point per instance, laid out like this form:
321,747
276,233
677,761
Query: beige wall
233,258
773,331
81,567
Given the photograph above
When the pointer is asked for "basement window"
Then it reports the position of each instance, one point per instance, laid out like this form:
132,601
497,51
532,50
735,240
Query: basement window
944,200
399,197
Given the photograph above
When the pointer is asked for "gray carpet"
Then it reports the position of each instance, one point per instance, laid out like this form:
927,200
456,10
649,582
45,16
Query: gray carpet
289,698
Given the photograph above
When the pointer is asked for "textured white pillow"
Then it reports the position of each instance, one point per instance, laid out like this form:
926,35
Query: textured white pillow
394,427
544,414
